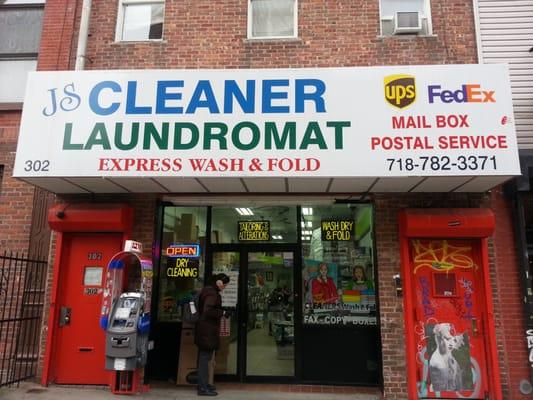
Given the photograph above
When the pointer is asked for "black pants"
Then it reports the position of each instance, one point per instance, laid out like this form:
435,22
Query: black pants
204,356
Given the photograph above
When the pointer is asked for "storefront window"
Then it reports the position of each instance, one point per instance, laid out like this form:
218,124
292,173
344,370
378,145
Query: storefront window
182,259
262,224
338,269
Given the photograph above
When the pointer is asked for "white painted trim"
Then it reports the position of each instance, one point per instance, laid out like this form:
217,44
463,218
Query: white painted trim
429,18
120,21
475,9
249,25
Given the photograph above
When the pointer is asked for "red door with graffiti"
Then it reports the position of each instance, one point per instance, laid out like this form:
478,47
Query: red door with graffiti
79,356
450,318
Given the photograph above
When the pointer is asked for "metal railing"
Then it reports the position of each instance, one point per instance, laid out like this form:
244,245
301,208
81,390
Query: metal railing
22,296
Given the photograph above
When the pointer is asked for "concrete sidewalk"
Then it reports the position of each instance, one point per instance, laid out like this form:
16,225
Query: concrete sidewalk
33,391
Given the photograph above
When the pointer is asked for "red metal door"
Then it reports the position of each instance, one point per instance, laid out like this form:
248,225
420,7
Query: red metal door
450,319
79,356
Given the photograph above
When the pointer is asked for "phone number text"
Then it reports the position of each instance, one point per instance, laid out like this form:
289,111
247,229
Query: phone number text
442,163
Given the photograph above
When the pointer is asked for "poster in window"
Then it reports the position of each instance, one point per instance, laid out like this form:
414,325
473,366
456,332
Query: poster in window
330,297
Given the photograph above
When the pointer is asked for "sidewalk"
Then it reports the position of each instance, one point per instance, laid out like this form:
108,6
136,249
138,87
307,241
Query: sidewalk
227,391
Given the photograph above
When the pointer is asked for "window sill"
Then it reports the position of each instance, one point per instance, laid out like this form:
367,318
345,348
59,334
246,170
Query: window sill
148,41
406,36
274,39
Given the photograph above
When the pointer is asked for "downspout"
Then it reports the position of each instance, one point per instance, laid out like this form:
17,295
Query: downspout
83,34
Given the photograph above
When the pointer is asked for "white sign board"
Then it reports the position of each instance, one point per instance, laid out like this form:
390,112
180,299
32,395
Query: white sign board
397,121
230,294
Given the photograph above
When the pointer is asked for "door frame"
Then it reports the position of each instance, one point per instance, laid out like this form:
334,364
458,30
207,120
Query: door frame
243,250
82,219
475,224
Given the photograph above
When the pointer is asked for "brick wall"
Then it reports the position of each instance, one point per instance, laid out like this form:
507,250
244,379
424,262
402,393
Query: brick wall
16,197
212,34
507,294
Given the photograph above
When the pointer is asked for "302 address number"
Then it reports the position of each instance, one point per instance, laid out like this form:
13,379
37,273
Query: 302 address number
37,165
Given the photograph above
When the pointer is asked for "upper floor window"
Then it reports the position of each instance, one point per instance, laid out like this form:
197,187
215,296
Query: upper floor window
20,33
400,17
20,29
140,20
272,19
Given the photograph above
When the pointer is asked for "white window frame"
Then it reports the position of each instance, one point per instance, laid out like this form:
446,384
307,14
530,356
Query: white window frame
425,14
120,20
295,25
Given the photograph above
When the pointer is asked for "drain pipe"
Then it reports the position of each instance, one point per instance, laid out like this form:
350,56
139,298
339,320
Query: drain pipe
83,34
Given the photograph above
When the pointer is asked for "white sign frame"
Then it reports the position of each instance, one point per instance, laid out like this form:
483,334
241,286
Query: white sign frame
339,122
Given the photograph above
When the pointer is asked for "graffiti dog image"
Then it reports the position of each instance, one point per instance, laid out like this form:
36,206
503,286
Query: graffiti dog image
444,370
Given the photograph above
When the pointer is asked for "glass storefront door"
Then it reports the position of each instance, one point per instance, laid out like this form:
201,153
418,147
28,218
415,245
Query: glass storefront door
258,339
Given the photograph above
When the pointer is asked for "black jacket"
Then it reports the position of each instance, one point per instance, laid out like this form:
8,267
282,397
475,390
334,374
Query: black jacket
208,326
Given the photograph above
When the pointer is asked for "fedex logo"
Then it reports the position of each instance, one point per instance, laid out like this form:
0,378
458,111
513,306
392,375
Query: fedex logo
469,93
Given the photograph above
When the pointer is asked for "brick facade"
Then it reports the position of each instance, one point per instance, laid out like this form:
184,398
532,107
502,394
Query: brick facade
207,34
212,34
16,197
509,307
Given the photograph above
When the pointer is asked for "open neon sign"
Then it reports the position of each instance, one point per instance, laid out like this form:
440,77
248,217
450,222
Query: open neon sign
183,250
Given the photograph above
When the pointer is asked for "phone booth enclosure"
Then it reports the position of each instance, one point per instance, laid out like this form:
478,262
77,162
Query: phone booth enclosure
450,332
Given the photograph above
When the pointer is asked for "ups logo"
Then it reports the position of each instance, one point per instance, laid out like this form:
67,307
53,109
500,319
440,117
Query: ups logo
400,90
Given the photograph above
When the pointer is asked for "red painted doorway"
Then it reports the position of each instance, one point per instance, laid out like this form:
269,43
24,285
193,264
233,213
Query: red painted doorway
78,355
450,318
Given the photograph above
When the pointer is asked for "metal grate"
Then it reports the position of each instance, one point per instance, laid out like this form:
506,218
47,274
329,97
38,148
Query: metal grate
22,298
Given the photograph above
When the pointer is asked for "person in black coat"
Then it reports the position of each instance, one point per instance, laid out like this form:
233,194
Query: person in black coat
207,334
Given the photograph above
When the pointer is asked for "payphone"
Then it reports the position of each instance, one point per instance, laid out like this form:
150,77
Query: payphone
125,316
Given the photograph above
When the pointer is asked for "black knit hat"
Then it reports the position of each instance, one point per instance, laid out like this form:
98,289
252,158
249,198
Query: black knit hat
222,277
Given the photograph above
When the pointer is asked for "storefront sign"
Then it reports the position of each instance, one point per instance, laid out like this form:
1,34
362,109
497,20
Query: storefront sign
184,268
445,120
183,250
337,230
250,231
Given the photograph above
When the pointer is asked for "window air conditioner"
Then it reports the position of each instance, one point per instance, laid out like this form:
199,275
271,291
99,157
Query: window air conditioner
407,22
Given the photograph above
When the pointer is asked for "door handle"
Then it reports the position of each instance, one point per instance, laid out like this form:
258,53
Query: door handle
64,316
475,329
